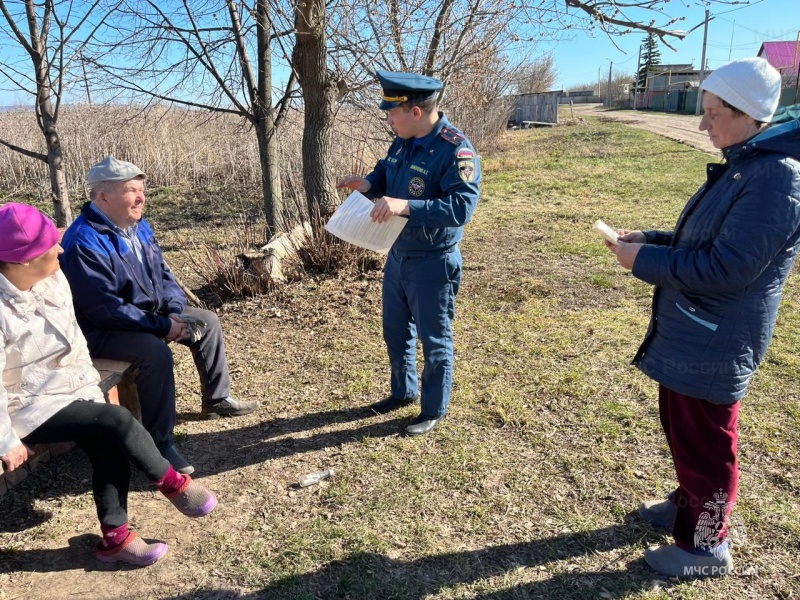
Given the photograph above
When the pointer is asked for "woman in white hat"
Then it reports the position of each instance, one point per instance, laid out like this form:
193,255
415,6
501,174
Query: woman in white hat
718,278
49,390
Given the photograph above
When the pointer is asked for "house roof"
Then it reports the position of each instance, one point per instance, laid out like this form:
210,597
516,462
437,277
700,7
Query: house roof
683,69
780,55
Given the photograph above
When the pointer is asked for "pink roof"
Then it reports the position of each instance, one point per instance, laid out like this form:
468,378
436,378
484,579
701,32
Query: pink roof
780,55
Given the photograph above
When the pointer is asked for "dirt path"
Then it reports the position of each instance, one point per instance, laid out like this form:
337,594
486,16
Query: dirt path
681,128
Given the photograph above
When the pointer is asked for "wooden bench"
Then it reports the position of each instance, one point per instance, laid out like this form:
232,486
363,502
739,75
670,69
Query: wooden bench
117,380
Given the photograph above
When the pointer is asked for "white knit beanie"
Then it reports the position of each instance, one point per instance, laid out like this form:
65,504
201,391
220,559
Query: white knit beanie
750,84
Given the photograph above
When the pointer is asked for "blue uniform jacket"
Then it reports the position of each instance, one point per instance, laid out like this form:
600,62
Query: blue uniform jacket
109,285
719,275
440,178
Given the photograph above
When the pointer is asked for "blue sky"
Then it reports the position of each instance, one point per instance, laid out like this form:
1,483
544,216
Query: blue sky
735,32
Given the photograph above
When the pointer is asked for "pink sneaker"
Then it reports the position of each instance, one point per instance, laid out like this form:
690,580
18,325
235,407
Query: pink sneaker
134,551
192,499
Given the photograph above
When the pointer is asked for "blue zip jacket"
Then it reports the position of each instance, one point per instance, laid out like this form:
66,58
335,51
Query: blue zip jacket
719,275
110,287
440,177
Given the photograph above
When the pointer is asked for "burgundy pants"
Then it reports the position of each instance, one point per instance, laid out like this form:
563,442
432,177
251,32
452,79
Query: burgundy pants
702,437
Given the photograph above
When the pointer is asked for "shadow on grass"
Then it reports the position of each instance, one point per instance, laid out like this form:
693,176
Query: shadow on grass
370,576
220,451
78,555
210,453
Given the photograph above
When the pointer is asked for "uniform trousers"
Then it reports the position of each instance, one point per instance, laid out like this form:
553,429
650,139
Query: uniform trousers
112,439
155,382
419,300
703,438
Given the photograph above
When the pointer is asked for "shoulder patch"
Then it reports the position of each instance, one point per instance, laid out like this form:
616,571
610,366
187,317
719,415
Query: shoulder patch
452,136
465,153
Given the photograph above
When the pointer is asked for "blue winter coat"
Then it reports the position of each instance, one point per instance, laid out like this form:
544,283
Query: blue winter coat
110,287
440,177
719,275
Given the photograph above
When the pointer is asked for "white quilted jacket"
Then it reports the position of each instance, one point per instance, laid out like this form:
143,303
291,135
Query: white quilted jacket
45,362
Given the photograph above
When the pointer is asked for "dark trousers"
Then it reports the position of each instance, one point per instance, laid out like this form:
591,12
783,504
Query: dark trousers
419,299
112,439
155,382
703,439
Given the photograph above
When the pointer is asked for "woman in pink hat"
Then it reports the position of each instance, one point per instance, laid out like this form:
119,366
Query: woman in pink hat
49,390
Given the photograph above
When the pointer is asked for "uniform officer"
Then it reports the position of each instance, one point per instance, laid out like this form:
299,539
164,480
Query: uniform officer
431,176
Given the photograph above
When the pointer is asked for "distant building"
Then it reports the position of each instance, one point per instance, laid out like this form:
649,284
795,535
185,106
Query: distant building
784,56
670,88
535,109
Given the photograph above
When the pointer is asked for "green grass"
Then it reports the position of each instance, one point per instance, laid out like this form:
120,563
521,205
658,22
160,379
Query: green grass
529,488
553,438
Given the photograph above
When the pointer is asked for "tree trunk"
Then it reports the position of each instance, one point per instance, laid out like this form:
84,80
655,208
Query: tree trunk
58,180
309,59
264,115
271,187
47,117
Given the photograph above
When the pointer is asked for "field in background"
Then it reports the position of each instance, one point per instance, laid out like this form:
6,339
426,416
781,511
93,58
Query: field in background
195,149
529,488
176,148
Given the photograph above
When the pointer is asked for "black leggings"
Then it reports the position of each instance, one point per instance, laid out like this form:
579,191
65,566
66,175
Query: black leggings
112,439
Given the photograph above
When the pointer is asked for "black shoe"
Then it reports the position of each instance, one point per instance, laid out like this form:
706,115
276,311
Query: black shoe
423,424
229,407
391,403
180,464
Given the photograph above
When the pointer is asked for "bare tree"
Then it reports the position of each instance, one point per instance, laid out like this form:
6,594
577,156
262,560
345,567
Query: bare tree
436,38
338,46
320,92
538,76
218,55
51,35
620,17
215,55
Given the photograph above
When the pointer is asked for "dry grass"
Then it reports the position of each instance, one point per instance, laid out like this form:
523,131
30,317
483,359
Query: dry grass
529,488
192,149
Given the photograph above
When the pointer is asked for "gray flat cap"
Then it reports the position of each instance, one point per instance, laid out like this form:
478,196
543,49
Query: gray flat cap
113,169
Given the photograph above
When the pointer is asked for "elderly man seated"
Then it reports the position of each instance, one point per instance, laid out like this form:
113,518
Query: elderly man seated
129,304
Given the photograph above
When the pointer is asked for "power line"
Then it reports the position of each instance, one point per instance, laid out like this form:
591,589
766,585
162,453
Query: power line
740,8
743,27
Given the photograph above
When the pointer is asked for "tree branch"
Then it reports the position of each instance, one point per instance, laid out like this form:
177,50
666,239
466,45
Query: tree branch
20,37
28,153
601,17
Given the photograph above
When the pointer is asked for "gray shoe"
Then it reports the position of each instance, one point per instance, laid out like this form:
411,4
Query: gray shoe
676,562
660,513
228,407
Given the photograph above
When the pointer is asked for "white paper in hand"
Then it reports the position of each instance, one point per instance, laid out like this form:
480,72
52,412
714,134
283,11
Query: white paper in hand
351,223
606,232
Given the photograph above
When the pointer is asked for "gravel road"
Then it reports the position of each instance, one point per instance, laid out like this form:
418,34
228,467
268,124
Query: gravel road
681,128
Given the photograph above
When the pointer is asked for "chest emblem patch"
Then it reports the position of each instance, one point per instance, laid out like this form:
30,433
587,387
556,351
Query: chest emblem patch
416,186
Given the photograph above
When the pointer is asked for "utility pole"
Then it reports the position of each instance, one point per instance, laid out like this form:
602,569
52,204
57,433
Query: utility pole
702,65
599,82
610,64
636,81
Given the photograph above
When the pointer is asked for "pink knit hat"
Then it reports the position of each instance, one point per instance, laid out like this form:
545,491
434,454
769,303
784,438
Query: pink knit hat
25,233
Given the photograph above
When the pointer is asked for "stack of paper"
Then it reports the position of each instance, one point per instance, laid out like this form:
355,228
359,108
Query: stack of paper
351,223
